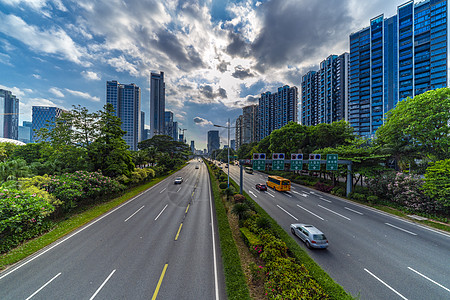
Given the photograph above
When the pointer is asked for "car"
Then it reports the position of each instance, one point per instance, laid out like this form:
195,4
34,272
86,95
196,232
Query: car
196,167
261,187
310,235
178,180
226,166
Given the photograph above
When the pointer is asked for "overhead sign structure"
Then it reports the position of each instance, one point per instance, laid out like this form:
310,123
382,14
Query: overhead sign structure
332,162
314,162
296,162
278,161
259,161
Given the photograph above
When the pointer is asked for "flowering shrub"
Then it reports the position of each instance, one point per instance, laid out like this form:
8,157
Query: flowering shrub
320,186
73,188
21,210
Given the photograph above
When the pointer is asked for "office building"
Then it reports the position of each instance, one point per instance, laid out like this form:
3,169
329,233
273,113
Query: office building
395,58
157,103
233,144
213,140
238,132
170,127
126,100
181,138
175,131
9,115
25,132
276,110
143,136
42,117
193,147
324,96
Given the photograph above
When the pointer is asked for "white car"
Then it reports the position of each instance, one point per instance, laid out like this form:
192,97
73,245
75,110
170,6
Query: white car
310,235
178,180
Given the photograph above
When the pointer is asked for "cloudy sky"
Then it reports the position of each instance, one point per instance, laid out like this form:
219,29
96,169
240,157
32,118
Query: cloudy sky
217,55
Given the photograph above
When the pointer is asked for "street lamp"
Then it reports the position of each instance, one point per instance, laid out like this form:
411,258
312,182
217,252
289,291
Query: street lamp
228,159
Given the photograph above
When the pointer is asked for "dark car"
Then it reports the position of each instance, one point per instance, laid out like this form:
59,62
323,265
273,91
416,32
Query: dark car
261,187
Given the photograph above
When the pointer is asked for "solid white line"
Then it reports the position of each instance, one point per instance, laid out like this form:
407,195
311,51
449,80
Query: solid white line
438,284
253,194
401,229
48,282
134,213
179,189
356,212
104,282
310,212
329,201
77,232
216,281
334,212
271,194
160,212
163,190
403,297
287,212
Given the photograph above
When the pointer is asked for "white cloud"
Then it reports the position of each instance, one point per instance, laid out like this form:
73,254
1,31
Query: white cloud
15,90
52,41
84,95
90,75
57,92
37,76
202,122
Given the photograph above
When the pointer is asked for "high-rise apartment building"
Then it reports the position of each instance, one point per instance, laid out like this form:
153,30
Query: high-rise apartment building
276,110
143,136
325,92
25,132
42,117
238,132
247,126
395,58
9,115
126,100
175,131
193,146
157,103
213,140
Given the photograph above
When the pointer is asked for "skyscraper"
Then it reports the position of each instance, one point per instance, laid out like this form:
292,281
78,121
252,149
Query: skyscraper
9,115
25,132
143,136
249,124
276,110
395,58
157,103
238,134
126,100
325,92
193,147
213,140
44,116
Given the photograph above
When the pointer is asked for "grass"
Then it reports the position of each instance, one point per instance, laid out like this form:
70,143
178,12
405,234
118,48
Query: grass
71,223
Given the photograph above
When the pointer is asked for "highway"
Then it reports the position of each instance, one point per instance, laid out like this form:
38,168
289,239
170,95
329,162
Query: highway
162,244
372,254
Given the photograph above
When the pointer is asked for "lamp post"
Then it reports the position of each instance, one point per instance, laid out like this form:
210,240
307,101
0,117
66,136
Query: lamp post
228,159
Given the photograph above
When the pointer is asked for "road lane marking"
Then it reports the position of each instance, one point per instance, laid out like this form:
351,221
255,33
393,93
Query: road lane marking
399,228
332,211
287,212
323,199
158,286
253,194
161,212
163,190
310,212
304,195
356,212
179,189
178,233
216,280
40,289
273,196
187,208
403,297
134,213
290,196
436,283
103,284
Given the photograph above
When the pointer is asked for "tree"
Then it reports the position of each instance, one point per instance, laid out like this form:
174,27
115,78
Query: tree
245,150
291,138
331,135
437,182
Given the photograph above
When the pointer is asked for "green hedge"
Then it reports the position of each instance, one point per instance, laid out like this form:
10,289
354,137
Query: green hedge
236,285
251,240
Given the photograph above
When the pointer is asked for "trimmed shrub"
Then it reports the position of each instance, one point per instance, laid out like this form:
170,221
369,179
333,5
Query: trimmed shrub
238,198
358,197
223,185
252,241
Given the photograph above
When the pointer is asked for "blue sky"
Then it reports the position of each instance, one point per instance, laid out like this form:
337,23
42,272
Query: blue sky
218,56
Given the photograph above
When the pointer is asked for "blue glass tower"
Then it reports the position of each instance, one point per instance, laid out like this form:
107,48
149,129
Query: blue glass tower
43,116
9,115
395,58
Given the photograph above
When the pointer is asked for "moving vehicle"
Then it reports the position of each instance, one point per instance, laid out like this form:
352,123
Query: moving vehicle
279,183
248,170
178,180
310,235
261,187
196,167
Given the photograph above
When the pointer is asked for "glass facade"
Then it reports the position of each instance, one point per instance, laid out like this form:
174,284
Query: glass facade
157,103
43,116
213,140
9,115
396,58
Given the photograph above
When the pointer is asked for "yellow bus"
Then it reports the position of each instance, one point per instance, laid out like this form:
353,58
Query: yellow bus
279,183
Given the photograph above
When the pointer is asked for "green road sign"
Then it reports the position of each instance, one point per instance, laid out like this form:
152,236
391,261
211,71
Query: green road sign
332,162
314,165
278,165
296,165
259,164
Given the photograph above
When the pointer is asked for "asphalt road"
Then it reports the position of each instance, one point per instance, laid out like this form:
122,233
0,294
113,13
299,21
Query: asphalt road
372,254
161,244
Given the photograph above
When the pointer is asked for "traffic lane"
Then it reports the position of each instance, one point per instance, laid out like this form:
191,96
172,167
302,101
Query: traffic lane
190,272
79,248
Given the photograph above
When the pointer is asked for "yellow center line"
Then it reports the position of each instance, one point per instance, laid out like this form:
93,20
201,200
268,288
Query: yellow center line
159,282
178,233
187,208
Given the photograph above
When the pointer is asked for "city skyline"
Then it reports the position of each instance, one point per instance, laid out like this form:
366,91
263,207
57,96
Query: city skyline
217,56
